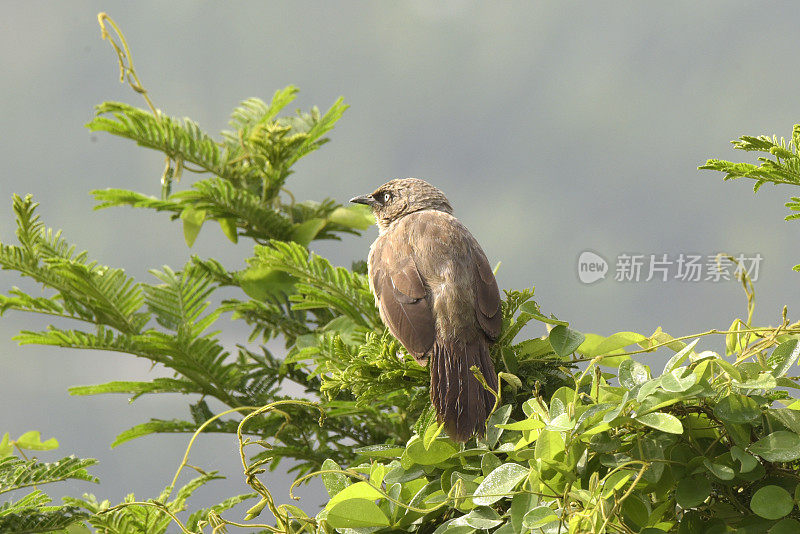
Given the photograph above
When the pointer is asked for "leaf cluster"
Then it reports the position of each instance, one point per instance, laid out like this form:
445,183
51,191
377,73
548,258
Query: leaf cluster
32,512
702,447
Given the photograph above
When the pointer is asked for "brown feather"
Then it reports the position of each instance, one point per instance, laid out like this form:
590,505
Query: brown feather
461,402
438,295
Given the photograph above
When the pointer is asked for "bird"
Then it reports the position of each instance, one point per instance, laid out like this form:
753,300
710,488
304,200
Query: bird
438,296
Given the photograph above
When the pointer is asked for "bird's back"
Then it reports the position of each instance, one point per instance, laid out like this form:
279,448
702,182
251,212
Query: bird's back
438,296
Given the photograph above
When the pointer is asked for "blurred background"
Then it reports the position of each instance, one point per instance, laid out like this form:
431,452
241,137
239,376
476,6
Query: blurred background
554,128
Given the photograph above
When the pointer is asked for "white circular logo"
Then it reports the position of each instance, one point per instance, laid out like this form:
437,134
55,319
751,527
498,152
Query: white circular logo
591,267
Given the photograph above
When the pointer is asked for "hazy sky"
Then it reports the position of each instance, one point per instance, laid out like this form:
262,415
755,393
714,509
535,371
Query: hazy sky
554,128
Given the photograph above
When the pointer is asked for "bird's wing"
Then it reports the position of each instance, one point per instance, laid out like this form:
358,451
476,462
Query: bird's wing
402,298
487,295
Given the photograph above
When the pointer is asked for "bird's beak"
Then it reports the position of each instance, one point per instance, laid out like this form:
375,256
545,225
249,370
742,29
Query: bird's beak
364,199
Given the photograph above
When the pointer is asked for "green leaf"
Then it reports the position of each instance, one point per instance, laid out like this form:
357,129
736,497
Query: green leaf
494,424
381,451
780,446
678,380
784,356
479,518
439,450
33,441
748,461
192,222
736,408
228,225
679,357
562,423
151,427
306,231
722,472
632,374
359,217
6,448
615,481
614,343
263,283
635,512
788,418
764,380
532,309
531,423
538,517
499,483
359,490
548,445
662,421
334,482
356,513
692,492
489,462
564,340
521,503
771,502
454,526
785,526
431,433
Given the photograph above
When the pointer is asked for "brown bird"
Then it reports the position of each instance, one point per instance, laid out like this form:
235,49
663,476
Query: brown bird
438,296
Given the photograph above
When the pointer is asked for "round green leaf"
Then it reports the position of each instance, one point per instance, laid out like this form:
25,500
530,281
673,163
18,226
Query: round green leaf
662,421
438,451
359,490
771,502
737,409
722,472
356,513
564,340
634,512
692,492
780,446
764,380
539,516
632,374
334,482
785,526
480,518
499,483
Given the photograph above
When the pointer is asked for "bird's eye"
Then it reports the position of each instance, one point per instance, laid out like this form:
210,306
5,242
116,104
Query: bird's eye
385,197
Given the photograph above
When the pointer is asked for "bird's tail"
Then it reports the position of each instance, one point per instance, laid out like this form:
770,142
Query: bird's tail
461,402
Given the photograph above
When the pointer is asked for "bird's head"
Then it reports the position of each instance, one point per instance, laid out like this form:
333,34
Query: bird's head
397,198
